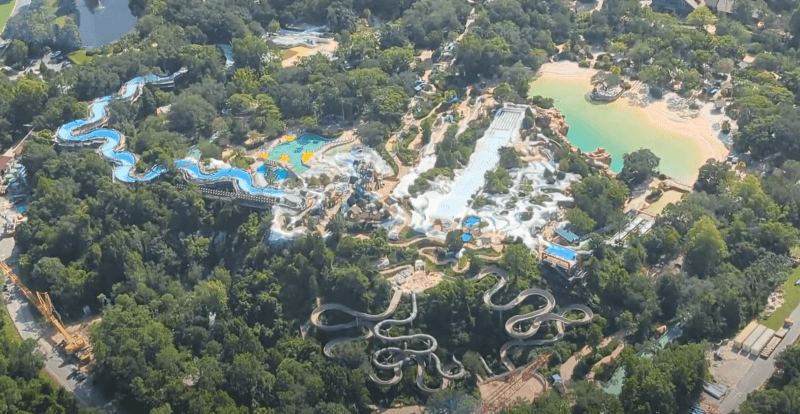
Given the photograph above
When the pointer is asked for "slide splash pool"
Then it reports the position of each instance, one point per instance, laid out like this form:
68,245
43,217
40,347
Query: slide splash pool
84,131
298,151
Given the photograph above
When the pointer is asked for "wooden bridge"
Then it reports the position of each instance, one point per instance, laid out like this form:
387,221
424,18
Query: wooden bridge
249,200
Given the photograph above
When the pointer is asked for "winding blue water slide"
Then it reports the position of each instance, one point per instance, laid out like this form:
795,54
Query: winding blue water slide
82,130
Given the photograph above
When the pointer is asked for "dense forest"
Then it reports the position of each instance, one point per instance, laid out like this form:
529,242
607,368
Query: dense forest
669,383
206,316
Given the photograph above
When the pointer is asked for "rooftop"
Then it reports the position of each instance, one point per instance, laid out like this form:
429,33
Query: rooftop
4,160
562,252
567,235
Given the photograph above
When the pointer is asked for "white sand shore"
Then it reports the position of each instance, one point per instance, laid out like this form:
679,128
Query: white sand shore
704,129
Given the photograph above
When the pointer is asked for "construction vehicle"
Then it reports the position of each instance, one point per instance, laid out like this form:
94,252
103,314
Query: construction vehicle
73,344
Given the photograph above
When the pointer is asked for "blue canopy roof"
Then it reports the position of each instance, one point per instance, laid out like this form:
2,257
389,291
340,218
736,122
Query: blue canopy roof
471,221
567,235
562,252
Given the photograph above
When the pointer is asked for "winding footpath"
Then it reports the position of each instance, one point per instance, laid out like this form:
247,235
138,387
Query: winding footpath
392,357
89,131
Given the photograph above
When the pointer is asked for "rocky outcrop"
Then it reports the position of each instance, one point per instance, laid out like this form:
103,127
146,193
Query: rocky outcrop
553,119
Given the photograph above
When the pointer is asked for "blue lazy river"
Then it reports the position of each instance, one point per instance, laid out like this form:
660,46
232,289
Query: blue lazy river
125,161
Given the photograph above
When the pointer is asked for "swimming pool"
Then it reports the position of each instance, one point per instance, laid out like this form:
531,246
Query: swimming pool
292,151
562,252
280,173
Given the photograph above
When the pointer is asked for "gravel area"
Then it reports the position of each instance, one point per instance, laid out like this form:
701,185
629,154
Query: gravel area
732,366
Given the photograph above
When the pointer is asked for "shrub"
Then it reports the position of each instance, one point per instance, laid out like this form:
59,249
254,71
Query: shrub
656,92
542,102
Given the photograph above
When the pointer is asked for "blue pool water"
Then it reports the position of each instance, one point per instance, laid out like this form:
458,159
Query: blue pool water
125,161
472,221
295,149
280,173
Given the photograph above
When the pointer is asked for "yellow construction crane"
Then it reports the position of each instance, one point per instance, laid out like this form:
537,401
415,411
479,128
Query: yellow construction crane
73,343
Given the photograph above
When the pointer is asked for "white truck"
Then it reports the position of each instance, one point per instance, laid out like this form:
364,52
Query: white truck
762,342
751,340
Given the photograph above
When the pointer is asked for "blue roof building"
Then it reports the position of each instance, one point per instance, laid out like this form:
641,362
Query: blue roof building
567,235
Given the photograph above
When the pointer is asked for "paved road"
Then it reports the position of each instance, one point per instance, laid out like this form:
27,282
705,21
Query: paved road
29,325
760,371
34,66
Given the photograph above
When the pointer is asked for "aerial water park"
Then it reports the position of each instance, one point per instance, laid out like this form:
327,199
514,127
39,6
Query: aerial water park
305,156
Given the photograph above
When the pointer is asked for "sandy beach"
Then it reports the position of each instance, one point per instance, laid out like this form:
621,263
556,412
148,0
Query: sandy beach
703,130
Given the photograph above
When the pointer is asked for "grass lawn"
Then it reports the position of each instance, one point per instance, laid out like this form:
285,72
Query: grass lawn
287,54
7,330
795,251
79,57
791,296
5,12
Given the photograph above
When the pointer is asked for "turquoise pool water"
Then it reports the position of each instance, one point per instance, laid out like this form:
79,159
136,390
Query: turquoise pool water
295,149
619,128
